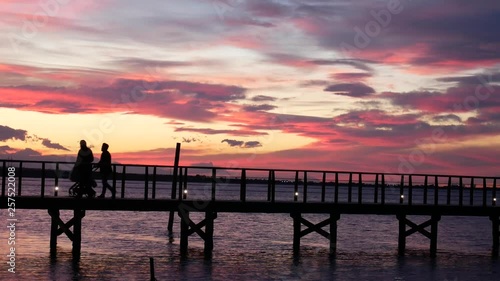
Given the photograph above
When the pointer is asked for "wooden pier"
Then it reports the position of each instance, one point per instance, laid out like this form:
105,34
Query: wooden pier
248,190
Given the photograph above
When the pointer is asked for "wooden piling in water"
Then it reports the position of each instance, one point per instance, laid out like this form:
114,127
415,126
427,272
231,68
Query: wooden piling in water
170,227
495,224
152,269
298,233
54,214
420,228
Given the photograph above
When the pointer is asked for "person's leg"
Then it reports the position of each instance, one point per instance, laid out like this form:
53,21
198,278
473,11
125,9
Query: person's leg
107,185
104,183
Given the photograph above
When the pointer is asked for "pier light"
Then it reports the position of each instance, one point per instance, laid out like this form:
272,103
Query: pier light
494,200
296,194
402,196
56,189
185,191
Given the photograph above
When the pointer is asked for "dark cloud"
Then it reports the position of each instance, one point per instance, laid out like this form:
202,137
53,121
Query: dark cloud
233,143
262,98
48,143
179,100
447,118
7,133
433,32
483,79
356,63
357,90
351,76
260,107
242,144
463,98
252,144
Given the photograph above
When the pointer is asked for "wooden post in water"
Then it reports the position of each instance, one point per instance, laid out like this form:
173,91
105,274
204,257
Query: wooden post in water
296,233
77,231
54,214
209,233
152,269
360,189
402,190
334,217
170,226
323,187
349,187
495,223
243,185
420,228
434,232
402,234
184,214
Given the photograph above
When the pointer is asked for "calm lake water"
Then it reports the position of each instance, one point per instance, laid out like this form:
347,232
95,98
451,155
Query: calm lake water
118,245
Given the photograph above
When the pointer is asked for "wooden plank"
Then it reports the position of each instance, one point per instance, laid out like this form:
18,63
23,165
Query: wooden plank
304,196
124,172
484,192
323,187
434,233
314,227
472,187
460,191
336,188
360,189
214,182
296,232
401,190
296,187
153,191
448,192
42,191
436,191
349,187
410,191
383,189
243,185
425,189
402,234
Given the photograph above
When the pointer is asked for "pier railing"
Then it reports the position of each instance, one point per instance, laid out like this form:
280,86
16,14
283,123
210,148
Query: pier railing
46,178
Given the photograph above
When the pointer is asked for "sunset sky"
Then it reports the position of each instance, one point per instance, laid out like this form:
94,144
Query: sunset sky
373,86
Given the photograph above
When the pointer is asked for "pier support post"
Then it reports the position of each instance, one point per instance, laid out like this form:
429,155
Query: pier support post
333,233
188,227
54,215
432,235
495,223
209,233
77,231
58,227
184,232
298,233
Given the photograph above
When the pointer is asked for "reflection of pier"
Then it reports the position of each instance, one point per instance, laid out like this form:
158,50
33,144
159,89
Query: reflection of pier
211,190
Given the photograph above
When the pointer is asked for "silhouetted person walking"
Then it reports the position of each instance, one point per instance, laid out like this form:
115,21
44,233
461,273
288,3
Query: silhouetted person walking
83,165
105,169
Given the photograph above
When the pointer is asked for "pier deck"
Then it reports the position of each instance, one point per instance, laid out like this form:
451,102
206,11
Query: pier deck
184,190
